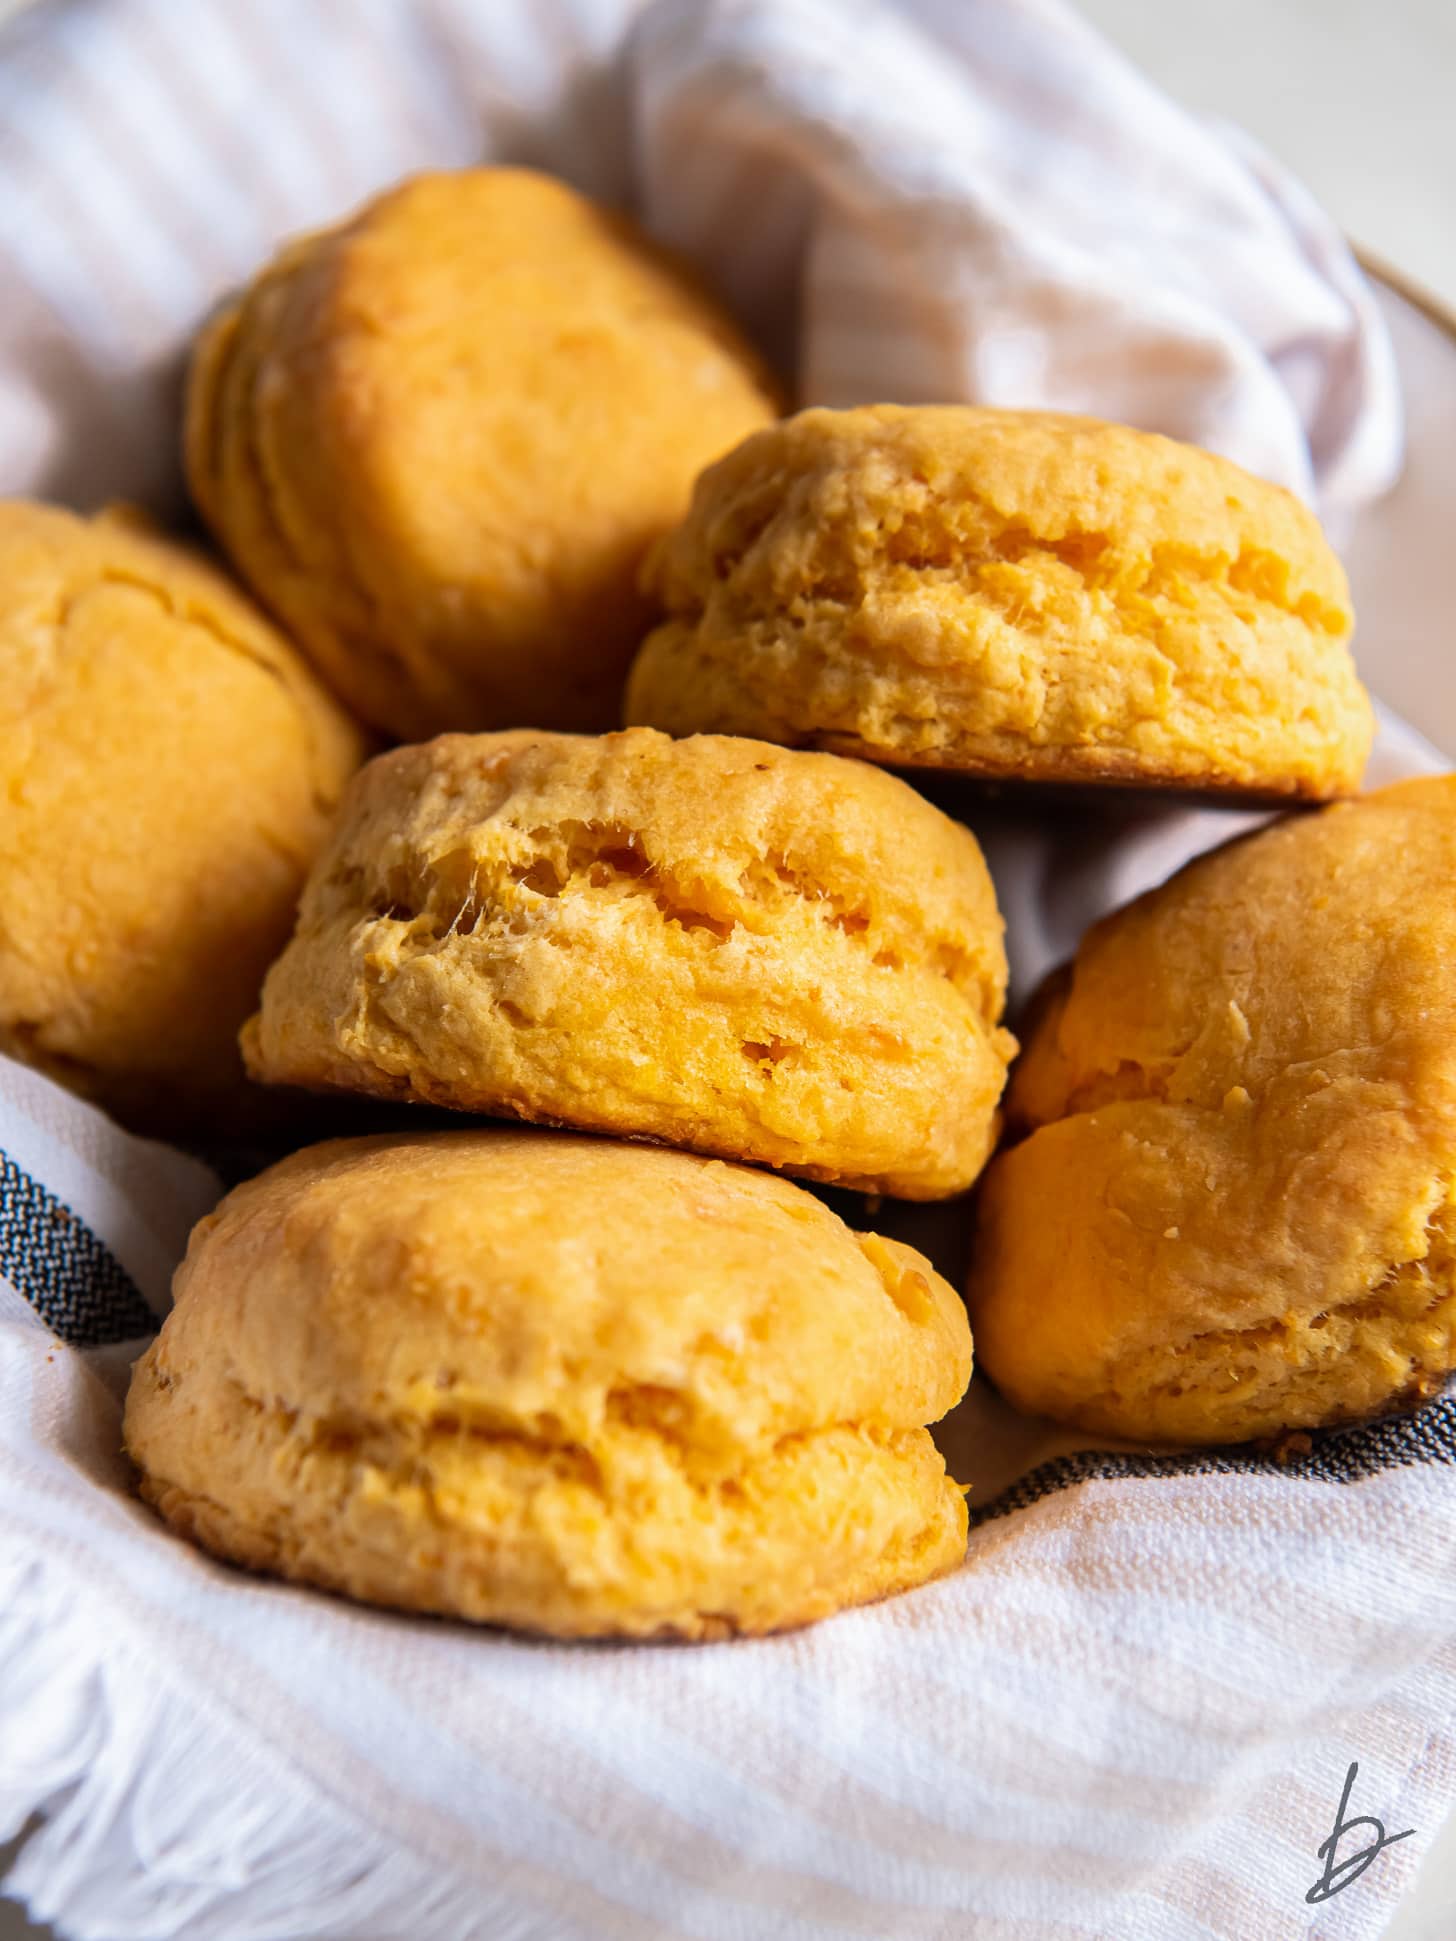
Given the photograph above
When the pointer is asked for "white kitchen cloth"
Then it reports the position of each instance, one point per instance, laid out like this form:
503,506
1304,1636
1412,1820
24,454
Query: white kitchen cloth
943,199
1131,1715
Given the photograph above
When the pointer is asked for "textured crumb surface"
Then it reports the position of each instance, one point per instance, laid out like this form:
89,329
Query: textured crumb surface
1008,594
1231,1208
438,439
557,1383
776,956
168,765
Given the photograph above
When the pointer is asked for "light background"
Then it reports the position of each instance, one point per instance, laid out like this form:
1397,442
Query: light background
1359,97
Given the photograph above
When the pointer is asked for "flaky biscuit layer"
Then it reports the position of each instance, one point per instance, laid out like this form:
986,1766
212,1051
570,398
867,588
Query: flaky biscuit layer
782,957
1008,594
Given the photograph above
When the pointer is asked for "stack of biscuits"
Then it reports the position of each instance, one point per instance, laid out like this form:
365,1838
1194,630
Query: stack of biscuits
363,825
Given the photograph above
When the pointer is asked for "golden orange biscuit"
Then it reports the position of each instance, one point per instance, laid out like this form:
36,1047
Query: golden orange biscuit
557,1383
438,439
168,765
1008,594
1232,1207
788,958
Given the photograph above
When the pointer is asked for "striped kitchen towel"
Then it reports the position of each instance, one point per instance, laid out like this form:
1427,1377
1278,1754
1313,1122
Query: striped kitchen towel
929,199
1139,1709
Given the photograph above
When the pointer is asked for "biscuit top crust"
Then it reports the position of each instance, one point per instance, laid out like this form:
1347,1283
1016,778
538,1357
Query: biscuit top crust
826,498
1325,943
69,582
537,1282
439,437
168,766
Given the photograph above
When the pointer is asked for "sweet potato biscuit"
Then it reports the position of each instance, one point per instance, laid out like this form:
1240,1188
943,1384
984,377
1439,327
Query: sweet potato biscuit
557,1383
1008,594
1233,1209
783,957
168,765
438,439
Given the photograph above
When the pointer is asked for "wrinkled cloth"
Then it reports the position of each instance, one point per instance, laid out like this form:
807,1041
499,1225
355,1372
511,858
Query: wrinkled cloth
935,200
